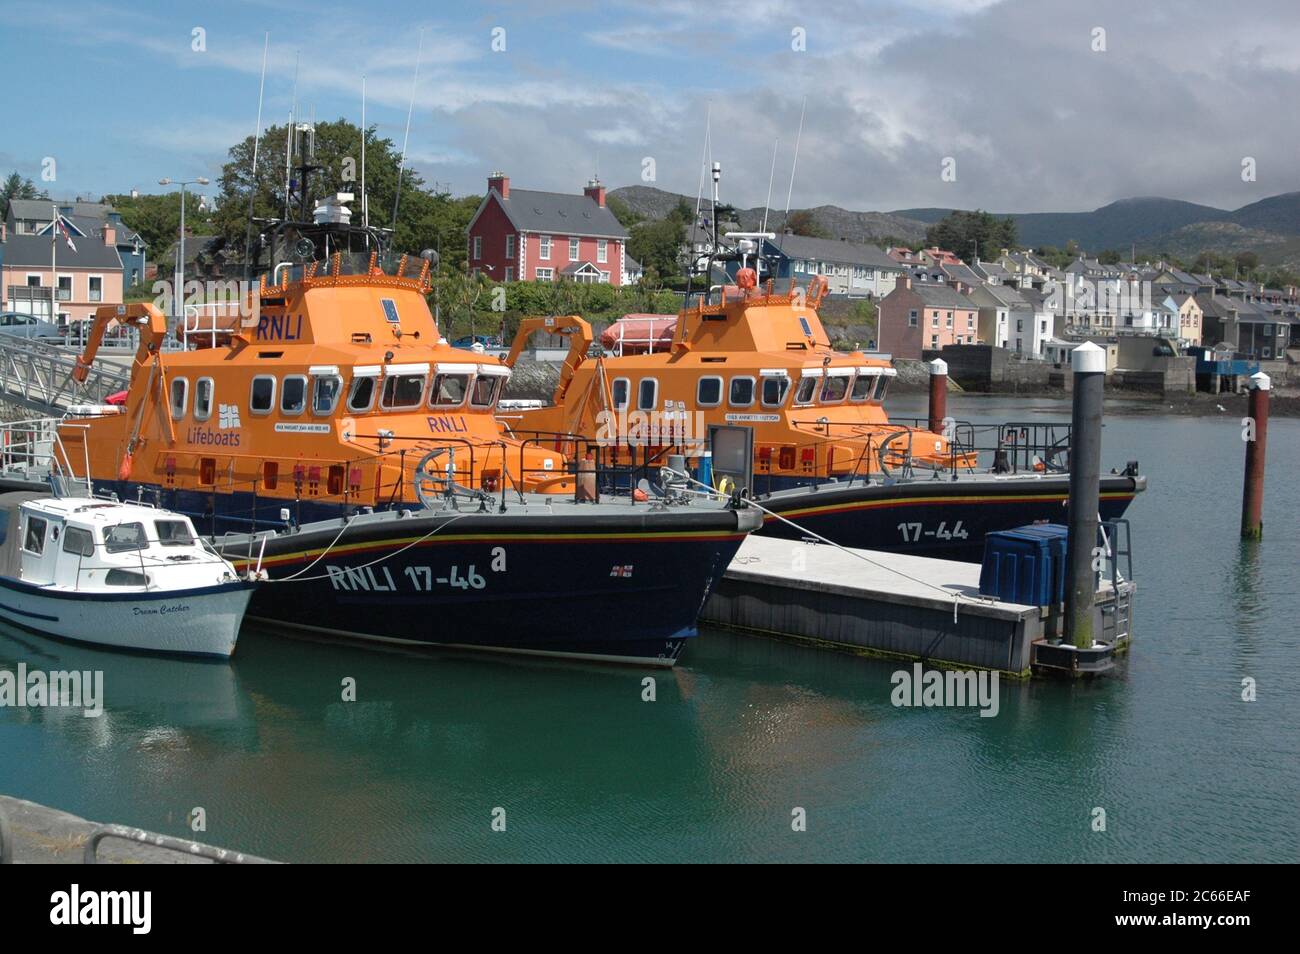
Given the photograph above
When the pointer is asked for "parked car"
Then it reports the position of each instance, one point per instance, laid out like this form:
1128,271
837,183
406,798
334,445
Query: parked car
487,341
27,326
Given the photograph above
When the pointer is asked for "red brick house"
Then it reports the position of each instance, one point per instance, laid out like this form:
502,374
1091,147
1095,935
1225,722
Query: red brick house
519,234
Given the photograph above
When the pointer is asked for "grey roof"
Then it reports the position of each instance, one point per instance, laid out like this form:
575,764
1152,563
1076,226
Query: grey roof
942,296
990,270
837,252
556,213
962,273
1010,296
31,208
33,251
630,264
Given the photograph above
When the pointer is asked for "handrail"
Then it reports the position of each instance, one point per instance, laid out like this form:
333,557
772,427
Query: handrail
221,856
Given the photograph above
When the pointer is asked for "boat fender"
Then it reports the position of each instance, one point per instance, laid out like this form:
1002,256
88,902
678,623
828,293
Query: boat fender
124,471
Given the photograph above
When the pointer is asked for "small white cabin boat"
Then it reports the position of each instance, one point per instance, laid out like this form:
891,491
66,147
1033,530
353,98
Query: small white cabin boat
122,575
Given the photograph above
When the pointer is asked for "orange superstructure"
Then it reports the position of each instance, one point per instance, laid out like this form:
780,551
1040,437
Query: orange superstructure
745,354
329,390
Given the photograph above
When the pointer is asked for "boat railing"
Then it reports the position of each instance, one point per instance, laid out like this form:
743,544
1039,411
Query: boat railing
615,467
35,447
205,323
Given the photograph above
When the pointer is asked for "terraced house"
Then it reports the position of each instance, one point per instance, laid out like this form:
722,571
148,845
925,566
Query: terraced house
525,235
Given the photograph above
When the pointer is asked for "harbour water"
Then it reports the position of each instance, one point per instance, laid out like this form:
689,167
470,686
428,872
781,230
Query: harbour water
744,731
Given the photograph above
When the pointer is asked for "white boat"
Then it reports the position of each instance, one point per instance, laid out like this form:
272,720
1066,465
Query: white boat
126,576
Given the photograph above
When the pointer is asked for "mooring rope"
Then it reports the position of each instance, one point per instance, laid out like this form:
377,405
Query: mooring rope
857,554
299,578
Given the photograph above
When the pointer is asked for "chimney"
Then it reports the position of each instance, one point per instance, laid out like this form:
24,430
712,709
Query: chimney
905,281
595,191
961,287
501,182
110,235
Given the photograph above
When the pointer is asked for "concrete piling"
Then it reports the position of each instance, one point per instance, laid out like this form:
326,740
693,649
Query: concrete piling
938,394
1088,363
1252,496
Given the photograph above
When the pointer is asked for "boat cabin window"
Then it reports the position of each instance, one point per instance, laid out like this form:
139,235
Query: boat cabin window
882,386
807,388
202,399
647,394
174,533
117,577
34,537
325,394
708,392
774,390
835,388
180,392
485,390
862,387
293,395
362,394
448,390
619,391
125,537
78,541
402,392
261,397
742,392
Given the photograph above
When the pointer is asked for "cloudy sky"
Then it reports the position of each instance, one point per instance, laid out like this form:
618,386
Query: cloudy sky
1039,104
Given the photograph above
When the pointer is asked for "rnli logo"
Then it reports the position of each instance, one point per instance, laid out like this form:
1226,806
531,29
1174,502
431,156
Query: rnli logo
447,425
228,417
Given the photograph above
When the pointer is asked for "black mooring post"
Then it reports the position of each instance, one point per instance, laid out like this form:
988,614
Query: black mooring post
1089,365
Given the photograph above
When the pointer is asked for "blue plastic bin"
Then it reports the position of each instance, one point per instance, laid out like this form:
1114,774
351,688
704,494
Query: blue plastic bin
1025,565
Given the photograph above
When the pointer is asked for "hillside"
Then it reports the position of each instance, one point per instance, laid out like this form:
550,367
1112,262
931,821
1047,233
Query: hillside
1270,226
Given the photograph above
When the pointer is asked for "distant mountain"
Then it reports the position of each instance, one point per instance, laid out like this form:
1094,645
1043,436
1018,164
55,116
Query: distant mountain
1270,226
837,222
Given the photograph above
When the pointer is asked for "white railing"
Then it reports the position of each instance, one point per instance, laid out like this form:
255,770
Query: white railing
34,448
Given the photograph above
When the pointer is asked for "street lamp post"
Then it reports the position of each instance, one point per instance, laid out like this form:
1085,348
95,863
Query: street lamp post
178,289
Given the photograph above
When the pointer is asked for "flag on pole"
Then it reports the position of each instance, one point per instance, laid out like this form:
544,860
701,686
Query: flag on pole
67,236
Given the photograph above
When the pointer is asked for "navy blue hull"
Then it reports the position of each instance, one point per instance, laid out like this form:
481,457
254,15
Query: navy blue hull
624,590
618,585
942,519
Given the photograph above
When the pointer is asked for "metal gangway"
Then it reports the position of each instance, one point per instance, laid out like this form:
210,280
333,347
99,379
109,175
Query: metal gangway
38,375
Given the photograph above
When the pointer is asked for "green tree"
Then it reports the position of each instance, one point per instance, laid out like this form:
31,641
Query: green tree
16,187
156,218
657,244
963,233
1109,257
802,222
627,217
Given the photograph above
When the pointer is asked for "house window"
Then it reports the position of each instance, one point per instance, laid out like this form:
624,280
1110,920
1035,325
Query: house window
478,246
544,247
602,251
647,394
911,318
573,249
604,278
1020,324
934,341
510,246
949,319
33,281
708,392
96,284
970,322
65,288
510,274
934,320
544,274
